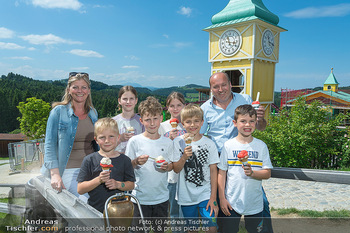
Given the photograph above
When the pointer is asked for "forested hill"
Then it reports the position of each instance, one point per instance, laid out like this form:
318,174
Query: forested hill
15,88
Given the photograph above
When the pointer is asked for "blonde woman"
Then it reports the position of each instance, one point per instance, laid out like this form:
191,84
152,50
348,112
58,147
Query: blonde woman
70,134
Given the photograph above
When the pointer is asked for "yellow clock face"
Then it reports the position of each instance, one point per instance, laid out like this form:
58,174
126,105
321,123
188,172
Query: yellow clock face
230,42
268,42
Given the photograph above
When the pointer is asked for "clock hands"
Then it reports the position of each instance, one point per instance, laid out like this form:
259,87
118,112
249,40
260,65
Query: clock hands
230,40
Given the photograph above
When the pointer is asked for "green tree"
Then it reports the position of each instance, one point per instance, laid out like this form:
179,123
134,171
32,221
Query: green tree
306,136
35,113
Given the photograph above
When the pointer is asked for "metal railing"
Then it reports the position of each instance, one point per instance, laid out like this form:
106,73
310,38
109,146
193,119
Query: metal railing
23,154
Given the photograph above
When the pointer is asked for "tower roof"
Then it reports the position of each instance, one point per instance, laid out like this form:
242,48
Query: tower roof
331,79
243,10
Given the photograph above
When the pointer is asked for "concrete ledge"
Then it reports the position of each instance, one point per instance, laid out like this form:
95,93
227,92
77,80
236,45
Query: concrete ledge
71,208
328,176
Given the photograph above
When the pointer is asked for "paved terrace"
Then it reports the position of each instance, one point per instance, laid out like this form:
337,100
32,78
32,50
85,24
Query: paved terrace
281,193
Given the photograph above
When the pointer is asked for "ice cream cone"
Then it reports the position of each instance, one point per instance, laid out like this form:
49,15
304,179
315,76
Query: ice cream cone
105,168
256,105
244,161
130,129
174,122
106,164
188,140
243,157
159,161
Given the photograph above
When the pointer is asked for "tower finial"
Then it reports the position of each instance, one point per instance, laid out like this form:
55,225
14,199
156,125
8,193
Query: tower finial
332,69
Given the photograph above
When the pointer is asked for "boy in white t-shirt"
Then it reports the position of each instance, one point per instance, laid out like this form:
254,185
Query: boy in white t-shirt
196,163
239,185
151,181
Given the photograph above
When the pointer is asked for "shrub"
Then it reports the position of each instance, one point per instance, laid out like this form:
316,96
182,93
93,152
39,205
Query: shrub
35,113
306,136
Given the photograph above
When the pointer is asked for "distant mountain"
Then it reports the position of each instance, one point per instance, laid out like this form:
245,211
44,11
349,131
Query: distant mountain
190,88
139,85
15,88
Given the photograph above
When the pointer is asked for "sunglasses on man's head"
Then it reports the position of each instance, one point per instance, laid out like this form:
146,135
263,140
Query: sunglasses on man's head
72,74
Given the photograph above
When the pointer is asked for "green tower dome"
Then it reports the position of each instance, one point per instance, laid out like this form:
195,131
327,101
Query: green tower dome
331,79
244,10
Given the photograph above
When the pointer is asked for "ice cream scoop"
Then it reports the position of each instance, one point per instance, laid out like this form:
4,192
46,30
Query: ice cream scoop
174,122
188,140
106,163
159,161
243,157
130,129
256,105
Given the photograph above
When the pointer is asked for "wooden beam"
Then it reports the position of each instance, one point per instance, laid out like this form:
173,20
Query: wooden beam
329,176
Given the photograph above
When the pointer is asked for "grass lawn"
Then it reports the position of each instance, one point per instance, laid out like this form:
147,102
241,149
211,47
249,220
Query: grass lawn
314,214
9,219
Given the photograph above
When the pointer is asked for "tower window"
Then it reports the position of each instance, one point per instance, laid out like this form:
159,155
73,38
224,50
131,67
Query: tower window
237,80
329,87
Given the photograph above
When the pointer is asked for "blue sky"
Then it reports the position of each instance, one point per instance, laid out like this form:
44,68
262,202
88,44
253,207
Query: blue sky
160,43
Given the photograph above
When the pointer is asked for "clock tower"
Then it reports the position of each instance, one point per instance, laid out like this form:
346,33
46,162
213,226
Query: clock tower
244,43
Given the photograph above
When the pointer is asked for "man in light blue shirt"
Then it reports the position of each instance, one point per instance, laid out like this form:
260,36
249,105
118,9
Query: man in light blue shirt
218,123
219,110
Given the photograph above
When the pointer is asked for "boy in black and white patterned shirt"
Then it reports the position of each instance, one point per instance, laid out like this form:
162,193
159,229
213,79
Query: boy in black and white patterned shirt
196,163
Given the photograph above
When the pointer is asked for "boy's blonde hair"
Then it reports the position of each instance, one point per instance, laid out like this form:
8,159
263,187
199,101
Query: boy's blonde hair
243,110
150,106
191,110
105,123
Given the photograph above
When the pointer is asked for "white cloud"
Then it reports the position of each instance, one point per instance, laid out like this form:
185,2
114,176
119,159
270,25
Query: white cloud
102,6
85,53
64,4
156,78
188,77
6,33
48,39
130,67
166,36
120,78
176,45
31,49
339,10
159,46
181,45
10,46
22,58
187,11
80,68
32,72
132,57
133,77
